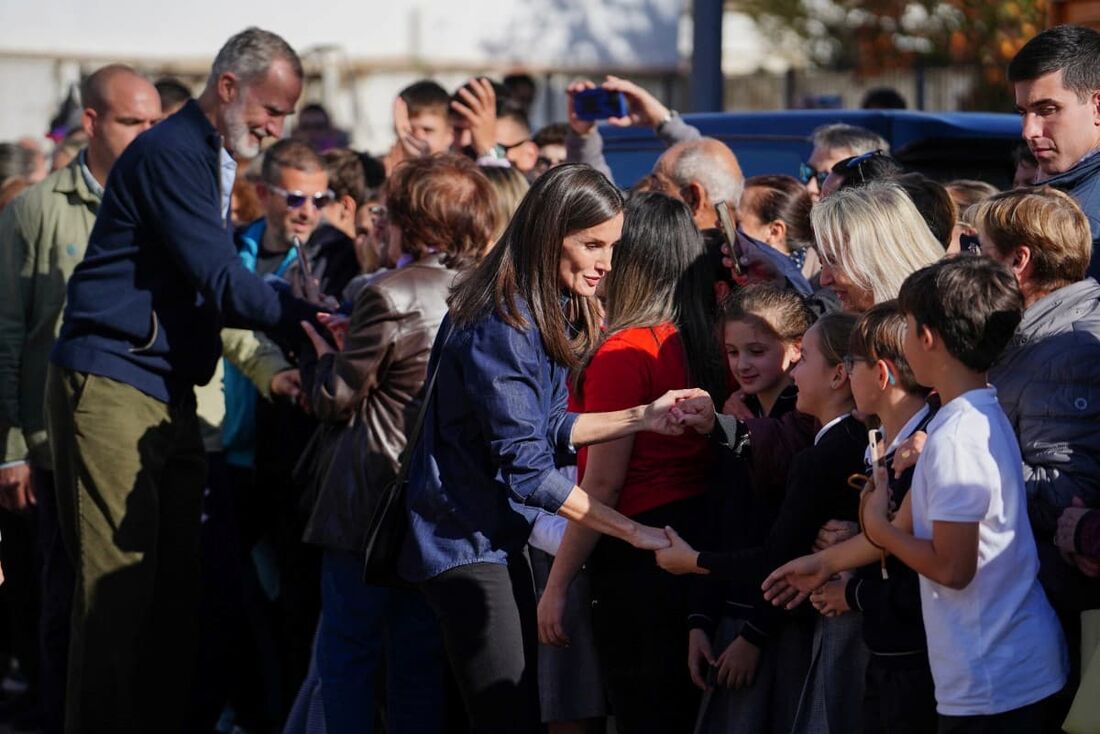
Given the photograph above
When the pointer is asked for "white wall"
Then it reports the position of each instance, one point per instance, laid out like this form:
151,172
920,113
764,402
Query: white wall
379,45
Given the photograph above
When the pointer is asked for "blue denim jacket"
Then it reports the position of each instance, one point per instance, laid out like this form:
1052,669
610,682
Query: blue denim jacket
487,456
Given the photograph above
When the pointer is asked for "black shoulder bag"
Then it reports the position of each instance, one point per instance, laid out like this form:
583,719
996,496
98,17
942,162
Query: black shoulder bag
388,525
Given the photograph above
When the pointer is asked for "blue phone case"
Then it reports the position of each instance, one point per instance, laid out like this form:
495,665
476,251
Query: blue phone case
599,104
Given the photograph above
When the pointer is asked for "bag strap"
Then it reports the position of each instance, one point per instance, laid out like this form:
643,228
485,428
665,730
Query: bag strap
418,425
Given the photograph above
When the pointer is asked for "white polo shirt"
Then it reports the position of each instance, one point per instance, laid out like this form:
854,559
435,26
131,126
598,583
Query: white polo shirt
995,645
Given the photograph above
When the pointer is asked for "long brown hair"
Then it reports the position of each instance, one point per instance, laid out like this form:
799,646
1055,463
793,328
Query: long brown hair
525,263
662,275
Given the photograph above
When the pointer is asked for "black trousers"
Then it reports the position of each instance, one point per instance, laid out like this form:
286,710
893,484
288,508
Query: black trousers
639,617
1024,720
899,696
486,612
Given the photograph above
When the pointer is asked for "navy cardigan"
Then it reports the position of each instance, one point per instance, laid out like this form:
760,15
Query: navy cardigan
161,275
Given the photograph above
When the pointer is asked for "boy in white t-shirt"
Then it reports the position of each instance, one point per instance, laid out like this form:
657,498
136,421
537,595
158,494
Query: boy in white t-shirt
994,644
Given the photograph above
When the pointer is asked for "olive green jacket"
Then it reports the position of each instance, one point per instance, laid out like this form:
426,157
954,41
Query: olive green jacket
43,234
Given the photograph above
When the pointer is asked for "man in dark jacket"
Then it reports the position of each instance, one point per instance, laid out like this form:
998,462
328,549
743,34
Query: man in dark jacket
141,328
1056,76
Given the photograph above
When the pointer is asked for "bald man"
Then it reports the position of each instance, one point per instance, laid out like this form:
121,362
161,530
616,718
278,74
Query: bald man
42,237
701,173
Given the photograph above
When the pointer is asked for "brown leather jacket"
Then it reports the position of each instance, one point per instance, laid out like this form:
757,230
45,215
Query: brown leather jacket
371,388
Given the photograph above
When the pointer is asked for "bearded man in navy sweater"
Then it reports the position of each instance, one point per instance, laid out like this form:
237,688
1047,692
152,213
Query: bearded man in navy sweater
159,280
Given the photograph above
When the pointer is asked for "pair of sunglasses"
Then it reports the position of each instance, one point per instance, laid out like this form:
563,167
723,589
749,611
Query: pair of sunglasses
806,172
296,199
856,163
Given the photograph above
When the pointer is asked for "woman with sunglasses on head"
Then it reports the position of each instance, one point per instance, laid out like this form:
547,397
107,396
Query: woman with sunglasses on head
870,238
497,427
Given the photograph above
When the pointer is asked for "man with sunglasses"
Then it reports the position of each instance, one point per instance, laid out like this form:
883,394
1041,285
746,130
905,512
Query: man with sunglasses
832,144
141,328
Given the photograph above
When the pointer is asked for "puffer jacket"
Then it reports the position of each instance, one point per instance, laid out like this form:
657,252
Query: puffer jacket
1048,382
378,379
1082,182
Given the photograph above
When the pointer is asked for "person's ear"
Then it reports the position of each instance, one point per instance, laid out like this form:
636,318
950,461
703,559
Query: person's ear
794,351
228,87
926,337
885,371
263,193
777,232
1021,260
695,196
88,120
840,376
1095,104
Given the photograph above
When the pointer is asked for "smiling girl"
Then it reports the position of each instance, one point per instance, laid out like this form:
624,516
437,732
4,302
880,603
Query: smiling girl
816,491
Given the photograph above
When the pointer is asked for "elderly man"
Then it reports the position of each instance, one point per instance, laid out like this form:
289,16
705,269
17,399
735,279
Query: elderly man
141,328
832,144
42,237
1056,78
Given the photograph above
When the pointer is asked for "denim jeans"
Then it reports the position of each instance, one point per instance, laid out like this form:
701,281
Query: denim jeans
360,623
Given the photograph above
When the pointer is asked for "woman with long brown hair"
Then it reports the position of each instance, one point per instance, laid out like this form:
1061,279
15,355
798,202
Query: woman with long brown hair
485,460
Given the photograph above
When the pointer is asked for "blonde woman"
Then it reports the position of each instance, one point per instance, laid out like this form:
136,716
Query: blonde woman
509,188
869,239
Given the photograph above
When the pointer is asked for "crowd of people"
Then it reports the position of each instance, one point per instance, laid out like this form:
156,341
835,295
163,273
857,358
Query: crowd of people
466,437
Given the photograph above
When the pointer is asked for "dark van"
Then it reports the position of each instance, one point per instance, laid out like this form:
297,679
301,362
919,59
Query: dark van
944,146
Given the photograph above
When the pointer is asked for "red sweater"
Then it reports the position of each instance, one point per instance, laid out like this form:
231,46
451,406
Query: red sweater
634,367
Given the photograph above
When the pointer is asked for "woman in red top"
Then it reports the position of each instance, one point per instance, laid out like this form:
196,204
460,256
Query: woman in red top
660,335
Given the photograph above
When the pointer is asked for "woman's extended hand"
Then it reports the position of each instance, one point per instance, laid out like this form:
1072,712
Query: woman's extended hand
644,537
658,416
678,557
551,612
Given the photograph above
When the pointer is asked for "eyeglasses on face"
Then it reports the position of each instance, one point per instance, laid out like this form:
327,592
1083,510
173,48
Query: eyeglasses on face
807,172
296,199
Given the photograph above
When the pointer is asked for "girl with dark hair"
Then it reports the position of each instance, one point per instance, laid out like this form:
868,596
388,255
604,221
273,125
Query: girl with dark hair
486,458
659,337
817,490
776,211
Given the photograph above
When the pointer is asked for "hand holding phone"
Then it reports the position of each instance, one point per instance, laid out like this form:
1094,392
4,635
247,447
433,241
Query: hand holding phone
729,229
599,104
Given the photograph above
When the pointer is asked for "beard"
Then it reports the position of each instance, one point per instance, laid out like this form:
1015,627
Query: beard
238,136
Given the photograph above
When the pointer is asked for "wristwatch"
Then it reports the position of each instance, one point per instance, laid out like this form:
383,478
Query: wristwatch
498,151
667,119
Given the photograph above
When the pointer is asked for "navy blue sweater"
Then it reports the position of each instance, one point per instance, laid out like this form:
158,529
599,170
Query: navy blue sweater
161,275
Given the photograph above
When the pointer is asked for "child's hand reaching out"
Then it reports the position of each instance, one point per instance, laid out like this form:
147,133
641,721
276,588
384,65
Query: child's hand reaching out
679,557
